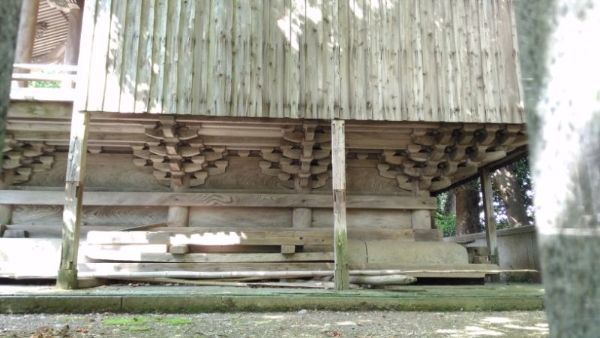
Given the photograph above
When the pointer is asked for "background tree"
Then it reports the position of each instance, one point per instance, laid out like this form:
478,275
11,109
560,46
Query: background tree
512,189
467,208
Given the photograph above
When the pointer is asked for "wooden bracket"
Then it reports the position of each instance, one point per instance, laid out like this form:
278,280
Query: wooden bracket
178,156
438,157
302,162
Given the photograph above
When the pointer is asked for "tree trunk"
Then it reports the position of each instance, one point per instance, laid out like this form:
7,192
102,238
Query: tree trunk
450,203
9,12
512,196
467,209
565,162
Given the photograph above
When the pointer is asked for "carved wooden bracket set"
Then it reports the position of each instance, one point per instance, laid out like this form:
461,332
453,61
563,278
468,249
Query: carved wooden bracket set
436,158
432,159
22,159
178,156
303,160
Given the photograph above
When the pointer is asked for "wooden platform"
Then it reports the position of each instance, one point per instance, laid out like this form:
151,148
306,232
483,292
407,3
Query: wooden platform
105,257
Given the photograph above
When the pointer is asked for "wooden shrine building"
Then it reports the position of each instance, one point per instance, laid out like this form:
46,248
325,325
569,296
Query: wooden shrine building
204,139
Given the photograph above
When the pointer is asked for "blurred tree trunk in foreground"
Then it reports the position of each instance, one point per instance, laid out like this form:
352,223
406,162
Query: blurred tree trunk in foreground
565,160
9,12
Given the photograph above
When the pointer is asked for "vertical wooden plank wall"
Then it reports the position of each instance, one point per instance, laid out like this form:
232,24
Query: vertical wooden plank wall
400,60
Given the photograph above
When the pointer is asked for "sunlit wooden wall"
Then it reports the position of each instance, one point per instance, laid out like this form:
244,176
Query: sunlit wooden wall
401,60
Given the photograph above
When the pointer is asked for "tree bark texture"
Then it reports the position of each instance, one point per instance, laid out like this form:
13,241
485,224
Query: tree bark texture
565,161
9,12
450,203
467,209
510,192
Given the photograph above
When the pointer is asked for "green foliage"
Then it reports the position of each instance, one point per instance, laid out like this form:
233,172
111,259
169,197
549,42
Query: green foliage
140,323
125,321
445,222
44,84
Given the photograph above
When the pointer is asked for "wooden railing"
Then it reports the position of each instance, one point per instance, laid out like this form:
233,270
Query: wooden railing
43,82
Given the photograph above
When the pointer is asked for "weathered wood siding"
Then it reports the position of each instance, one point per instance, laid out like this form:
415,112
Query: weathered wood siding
401,60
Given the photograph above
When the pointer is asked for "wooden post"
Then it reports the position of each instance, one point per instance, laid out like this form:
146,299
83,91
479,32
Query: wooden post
26,33
5,209
179,216
72,43
340,237
67,274
302,217
76,163
488,209
27,28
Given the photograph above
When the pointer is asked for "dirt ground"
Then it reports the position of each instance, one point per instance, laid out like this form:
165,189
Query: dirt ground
295,324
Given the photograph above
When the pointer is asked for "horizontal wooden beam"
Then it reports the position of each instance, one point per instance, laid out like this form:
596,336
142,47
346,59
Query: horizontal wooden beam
95,253
221,199
42,94
512,157
227,236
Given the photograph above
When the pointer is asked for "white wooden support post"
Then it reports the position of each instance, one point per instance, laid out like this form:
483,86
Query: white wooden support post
338,155
488,209
76,162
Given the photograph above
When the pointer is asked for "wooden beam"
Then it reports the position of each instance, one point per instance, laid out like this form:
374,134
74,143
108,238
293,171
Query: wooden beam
72,43
340,236
512,157
488,209
27,28
219,199
98,253
74,181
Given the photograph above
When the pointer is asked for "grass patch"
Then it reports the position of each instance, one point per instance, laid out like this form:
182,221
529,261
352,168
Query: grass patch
138,329
177,321
125,321
138,323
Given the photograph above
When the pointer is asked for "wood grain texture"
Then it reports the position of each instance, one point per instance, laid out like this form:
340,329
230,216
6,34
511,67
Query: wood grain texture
75,176
143,256
100,198
490,223
413,60
340,233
